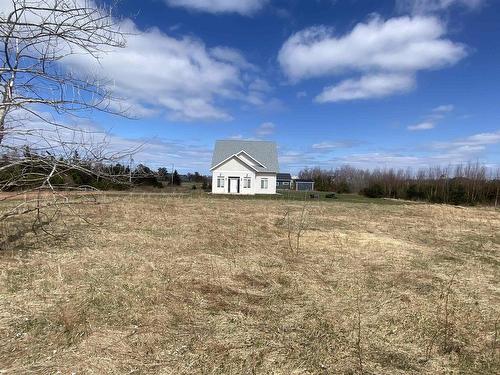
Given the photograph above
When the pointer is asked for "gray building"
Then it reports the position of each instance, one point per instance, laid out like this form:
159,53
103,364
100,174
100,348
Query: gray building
304,185
283,181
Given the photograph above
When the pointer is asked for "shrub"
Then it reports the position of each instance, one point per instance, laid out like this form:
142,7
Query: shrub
458,194
343,188
414,193
148,181
57,180
374,191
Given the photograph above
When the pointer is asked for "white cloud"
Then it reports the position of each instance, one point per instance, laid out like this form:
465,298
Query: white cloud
260,85
377,159
157,72
233,56
403,44
328,145
324,146
396,48
433,118
422,126
257,92
90,139
453,152
368,86
476,141
243,7
430,6
266,128
444,108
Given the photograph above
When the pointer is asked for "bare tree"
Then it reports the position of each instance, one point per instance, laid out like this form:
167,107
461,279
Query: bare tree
39,91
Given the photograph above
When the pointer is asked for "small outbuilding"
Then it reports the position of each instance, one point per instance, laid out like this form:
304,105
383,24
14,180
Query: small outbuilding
283,181
304,185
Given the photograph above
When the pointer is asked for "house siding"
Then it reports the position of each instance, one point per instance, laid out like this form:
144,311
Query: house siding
283,184
271,183
235,168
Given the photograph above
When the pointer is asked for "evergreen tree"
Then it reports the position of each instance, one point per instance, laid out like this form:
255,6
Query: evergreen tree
176,178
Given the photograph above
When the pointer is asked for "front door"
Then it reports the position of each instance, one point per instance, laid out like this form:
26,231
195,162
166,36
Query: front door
234,185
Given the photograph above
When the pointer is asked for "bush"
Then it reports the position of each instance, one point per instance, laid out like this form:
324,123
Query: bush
413,193
193,187
148,181
343,188
458,194
57,180
373,191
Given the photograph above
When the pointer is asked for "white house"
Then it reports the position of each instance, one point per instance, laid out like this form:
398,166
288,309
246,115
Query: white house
244,167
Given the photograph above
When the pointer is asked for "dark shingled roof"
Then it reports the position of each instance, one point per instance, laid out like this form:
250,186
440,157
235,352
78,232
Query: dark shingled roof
284,177
263,151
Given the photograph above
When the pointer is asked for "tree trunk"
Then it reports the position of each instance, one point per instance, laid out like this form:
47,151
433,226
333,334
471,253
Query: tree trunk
4,108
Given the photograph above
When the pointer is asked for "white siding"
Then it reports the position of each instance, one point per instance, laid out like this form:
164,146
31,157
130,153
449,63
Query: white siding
234,165
236,168
271,183
233,168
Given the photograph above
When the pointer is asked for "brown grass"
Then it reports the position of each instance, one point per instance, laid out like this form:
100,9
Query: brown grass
189,285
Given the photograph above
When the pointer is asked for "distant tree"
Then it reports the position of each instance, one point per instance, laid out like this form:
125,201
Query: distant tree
413,193
143,170
205,185
197,177
176,179
163,173
458,194
343,188
374,191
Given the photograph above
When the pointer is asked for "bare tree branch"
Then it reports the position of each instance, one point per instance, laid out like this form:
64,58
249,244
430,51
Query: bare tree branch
38,149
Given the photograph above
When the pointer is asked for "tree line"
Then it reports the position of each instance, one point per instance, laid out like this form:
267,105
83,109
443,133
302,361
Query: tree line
26,169
464,184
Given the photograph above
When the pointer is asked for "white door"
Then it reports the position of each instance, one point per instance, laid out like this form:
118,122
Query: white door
233,185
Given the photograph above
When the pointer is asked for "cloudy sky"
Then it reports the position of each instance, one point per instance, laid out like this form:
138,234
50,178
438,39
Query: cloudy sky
399,83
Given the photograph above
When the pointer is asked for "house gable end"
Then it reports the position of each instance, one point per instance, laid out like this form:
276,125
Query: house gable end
233,163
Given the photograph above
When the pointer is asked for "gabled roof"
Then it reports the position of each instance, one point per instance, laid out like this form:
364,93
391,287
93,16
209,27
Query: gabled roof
263,152
239,159
284,177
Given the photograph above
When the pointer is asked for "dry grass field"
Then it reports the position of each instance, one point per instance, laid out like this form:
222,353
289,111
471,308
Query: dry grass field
199,285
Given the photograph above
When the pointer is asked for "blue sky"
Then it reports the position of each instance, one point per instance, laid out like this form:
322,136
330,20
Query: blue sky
405,83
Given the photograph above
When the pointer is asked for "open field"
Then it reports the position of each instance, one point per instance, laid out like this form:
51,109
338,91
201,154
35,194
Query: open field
188,285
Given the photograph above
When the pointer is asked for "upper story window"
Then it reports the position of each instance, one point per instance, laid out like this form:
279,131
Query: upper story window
264,183
247,183
220,182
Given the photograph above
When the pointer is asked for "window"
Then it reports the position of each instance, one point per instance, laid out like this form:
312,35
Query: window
263,183
220,182
247,184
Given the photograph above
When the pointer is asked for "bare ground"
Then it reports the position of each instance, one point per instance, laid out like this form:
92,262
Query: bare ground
170,285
